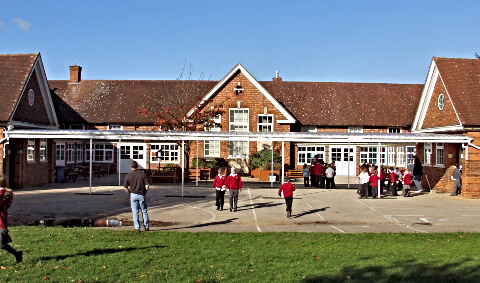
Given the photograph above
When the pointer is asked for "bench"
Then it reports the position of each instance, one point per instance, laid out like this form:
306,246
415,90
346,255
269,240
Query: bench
70,175
293,175
164,174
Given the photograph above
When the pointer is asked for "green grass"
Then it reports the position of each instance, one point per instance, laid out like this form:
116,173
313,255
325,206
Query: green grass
98,255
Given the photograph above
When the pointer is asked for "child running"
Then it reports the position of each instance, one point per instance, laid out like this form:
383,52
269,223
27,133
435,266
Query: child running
288,190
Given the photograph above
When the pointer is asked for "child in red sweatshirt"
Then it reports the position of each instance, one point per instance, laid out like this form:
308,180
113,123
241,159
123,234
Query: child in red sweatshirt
374,183
288,190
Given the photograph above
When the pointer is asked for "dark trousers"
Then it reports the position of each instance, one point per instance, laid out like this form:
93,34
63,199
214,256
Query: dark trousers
393,188
305,181
219,198
233,199
374,191
329,183
314,179
364,190
322,181
333,182
288,202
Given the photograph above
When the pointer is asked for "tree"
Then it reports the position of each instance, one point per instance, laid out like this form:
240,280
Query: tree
169,106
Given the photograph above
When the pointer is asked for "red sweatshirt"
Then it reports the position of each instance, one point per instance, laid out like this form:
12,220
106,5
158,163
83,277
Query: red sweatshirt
234,182
219,181
407,179
3,211
393,177
287,189
374,180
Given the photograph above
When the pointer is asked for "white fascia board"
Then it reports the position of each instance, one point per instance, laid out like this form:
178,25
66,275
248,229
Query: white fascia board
290,119
47,98
444,129
426,96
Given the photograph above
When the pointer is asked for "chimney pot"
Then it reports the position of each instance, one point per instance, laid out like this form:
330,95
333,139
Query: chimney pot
75,74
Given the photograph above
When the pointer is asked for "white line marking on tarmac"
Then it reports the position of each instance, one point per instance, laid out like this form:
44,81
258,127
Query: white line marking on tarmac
424,220
341,231
211,219
389,217
253,209
357,200
319,215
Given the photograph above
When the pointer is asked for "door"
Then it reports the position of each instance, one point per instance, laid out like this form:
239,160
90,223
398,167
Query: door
344,158
129,152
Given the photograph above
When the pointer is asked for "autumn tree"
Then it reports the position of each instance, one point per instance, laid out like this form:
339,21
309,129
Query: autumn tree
177,106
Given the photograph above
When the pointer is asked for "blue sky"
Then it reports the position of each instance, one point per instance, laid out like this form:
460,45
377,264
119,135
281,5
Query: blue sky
334,41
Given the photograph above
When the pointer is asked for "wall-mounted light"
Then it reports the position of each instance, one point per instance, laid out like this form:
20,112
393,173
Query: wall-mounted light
238,89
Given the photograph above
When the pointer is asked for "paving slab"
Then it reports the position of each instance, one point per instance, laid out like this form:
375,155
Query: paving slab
260,209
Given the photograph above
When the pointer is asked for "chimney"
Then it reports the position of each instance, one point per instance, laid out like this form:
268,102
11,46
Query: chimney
75,74
277,78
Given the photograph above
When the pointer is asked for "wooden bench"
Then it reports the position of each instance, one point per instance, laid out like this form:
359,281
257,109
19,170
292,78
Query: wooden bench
70,174
156,175
293,175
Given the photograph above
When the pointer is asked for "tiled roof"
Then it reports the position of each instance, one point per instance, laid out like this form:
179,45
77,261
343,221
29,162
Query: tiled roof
14,72
348,104
111,101
462,81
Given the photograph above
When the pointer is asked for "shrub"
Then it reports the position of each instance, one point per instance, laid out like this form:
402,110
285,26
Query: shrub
209,163
259,158
170,166
268,166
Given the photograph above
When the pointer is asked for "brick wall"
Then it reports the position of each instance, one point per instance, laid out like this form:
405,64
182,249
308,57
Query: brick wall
471,169
435,117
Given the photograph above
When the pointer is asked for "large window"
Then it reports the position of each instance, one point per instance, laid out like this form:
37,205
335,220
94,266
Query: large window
401,161
238,123
265,123
307,153
43,149
80,151
395,130
391,156
60,152
427,153
439,154
168,153
212,147
369,155
410,154
31,150
102,153
70,152
353,129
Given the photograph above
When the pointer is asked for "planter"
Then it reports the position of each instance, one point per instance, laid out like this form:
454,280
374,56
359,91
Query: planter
263,175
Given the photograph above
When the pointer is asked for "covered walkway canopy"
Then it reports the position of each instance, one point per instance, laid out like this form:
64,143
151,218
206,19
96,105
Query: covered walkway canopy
119,136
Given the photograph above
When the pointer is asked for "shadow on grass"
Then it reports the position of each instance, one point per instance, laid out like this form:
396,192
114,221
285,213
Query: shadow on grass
309,212
95,252
412,271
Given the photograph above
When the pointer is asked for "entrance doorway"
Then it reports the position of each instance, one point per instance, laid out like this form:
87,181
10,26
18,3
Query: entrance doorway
344,158
129,152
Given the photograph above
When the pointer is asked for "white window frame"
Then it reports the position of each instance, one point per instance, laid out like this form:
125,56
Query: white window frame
263,124
306,153
171,153
368,154
355,129
427,156
31,150
238,149
115,127
212,144
102,152
43,150
394,130
70,148
244,123
391,155
401,157
309,129
80,152
439,155
410,152
60,152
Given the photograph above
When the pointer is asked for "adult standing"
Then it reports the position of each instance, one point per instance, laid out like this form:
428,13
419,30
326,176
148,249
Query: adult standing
234,185
417,173
136,184
457,180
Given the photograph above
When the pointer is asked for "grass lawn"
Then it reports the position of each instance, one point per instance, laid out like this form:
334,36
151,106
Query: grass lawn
57,254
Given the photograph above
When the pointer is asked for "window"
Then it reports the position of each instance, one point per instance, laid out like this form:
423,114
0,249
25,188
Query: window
169,153
441,102
238,120
439,154
43,149
238,123
410,154
369,155
60,152
217,120
394,130
115,127
70,152
310,129
355,129
102,153
427,153
265,123
212,148
80,151
31,150
401,156
77,127
391,156
306,154
238,149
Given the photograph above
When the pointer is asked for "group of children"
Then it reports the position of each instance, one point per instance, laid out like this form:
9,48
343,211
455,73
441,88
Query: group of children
320,174
370,180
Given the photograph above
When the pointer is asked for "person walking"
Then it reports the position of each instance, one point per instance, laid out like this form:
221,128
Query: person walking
287,188
136,184
6,197
234,185
219,187
417,173
457,180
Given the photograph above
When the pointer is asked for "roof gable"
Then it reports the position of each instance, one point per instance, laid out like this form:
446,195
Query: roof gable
230,75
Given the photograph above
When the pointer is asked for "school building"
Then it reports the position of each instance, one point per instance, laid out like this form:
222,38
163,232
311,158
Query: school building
49,123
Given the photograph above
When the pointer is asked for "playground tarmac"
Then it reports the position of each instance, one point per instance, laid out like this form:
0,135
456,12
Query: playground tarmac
259,209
